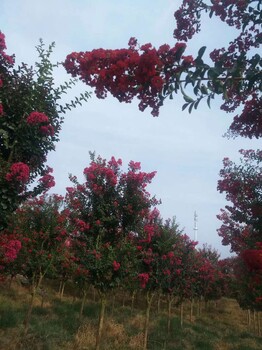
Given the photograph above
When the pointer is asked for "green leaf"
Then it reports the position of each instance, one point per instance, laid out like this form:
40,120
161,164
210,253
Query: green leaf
188,99
203,89
191,107
185,106
201,51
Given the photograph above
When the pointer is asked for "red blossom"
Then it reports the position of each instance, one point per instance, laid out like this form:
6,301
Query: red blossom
143,278
140,72
47,180
47,130
35,118
116,265
18,172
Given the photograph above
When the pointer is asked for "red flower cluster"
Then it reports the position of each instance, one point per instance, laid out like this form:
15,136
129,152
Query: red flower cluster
143,279
47,130
249,123
125,73
100,171
9,248
35,118
5,60
19,172
236,59
116,265
47,180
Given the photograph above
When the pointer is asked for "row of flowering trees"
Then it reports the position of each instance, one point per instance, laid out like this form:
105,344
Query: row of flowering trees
154,74
108,233
30,122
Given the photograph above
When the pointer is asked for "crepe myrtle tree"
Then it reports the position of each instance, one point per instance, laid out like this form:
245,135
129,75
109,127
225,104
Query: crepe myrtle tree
30,122
9,249
171,248
242,219
40,225
210,279
105,212
242,185
148,274
248,285
153,74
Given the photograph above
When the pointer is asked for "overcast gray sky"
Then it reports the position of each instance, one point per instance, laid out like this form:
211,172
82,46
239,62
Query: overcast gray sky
185,150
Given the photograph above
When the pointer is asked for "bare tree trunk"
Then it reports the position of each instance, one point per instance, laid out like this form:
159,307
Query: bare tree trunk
113,304
94,294
258,324
62,289
133,301
82,304
101,320
199,307
124,300
191,309
181,314
149,299
248,318
158,302
170,301
35,286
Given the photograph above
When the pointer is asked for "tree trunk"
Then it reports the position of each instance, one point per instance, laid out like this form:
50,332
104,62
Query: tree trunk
158,302
248,318
124,300
170,301
133,301
35,286
181,314
149,299
191,309
10,282
113,304
199,307
101,320
62,289
258,324
94,295
82,304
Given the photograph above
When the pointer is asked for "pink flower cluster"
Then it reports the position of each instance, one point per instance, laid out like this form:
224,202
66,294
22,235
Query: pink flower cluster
19,172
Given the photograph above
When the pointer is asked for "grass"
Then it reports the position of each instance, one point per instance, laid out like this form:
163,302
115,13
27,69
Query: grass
56,325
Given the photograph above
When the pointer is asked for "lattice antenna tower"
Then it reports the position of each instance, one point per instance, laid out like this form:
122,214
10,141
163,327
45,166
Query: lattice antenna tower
195,226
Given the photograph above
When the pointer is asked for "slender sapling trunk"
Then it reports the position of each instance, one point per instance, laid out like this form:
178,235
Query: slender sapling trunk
149,299
101,320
